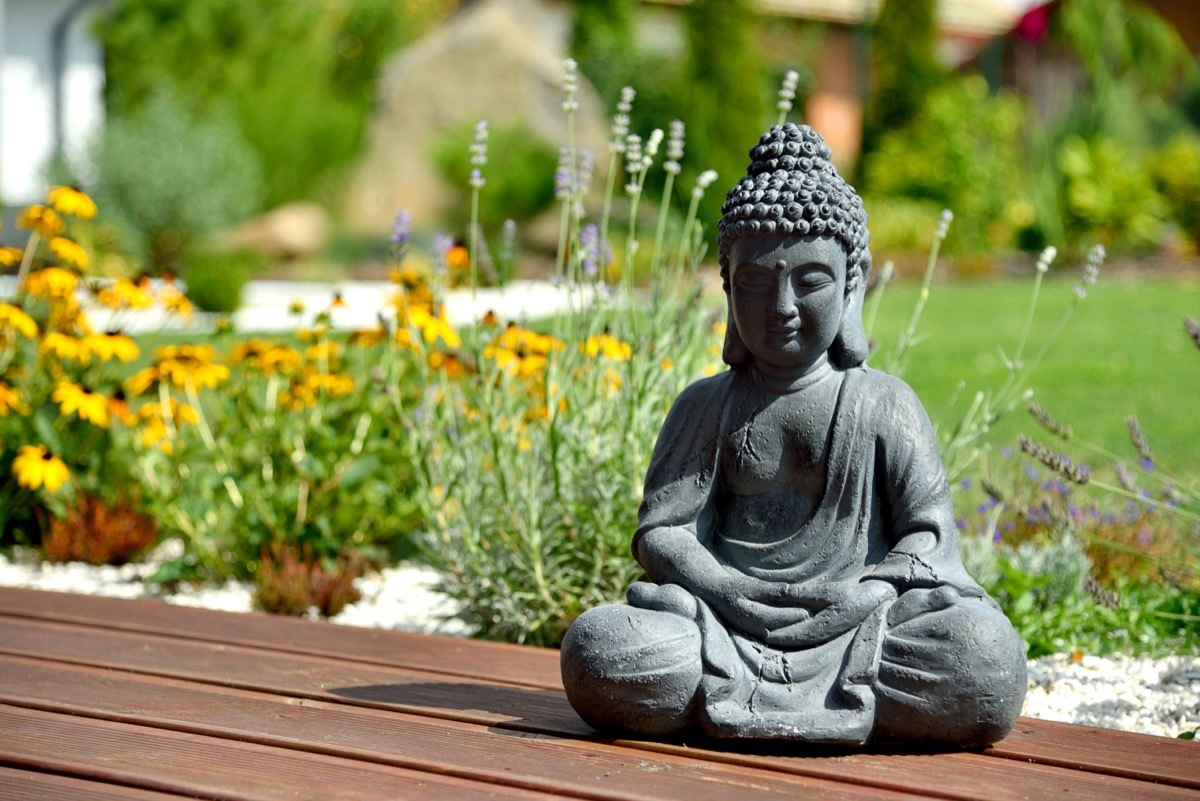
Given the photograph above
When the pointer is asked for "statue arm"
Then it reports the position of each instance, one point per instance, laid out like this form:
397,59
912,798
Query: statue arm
916,499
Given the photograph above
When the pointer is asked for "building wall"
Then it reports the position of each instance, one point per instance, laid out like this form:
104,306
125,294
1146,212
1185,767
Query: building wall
27,78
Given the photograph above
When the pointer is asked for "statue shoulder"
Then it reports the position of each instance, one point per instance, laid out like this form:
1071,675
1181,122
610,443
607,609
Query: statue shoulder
888,396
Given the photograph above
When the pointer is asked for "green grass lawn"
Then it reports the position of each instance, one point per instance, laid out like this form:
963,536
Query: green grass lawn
1123,352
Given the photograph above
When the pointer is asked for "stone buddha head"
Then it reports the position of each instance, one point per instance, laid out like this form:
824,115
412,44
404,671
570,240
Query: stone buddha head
791,210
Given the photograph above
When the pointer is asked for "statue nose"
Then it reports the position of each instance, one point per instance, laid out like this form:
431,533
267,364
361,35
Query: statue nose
785,300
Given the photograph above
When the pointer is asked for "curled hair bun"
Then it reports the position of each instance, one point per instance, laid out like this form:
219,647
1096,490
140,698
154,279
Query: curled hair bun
791,187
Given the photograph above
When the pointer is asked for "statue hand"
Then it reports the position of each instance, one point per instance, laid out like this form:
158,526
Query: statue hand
754,606
842,605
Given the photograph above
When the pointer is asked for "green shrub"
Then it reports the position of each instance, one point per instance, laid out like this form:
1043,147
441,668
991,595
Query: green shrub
215,278
169,178
524,186
1109,195
961,153
299,76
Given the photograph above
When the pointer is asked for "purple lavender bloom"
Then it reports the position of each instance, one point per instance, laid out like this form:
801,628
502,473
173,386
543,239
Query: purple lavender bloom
401,234
1147,464
441,248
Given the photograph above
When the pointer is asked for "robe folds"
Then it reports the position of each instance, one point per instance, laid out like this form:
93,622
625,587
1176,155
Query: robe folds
937,650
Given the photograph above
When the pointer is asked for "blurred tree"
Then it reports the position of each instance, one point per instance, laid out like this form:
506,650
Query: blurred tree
299,75
904,67
602,41
728,78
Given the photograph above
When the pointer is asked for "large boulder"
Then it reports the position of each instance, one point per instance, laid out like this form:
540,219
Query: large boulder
293,231
495,60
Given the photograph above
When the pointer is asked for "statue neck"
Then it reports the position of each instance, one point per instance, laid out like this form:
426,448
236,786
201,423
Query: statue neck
786,380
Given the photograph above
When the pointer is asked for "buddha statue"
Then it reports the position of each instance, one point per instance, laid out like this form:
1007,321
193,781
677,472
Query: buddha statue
802,574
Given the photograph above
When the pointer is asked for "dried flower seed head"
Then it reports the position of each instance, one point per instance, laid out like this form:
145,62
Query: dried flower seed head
1193,329
674,147
787,92
1049,423
1046,259
1139,441
620,121
479,154
652,145
1055,461
1091,270
570,85
1124,477
944,221
1110,599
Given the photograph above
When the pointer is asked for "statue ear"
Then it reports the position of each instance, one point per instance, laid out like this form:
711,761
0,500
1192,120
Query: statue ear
851,348
734,352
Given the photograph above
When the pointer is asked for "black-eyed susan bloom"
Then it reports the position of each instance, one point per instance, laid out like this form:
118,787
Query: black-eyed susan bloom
184,365
175,302
72,201
63,347
111,345
70,251
34,467
607,346
86,402
13,318
10,257
434,327
52,283
42,219
10,400
124,294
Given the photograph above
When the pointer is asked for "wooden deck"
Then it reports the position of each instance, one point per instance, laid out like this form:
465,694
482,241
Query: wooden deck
110,699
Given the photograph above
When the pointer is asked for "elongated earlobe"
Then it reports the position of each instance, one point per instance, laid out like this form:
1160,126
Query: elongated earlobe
851,348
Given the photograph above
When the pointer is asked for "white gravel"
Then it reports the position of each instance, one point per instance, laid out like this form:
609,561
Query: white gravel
1150,696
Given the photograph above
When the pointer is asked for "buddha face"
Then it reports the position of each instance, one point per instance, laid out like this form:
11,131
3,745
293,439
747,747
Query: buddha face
788,296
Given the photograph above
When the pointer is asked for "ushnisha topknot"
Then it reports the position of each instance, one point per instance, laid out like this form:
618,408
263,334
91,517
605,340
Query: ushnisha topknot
792,188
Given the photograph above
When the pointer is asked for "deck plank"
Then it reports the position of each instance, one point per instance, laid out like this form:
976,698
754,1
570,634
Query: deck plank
447,655
188,764
28,785
964,775
570,767
516,692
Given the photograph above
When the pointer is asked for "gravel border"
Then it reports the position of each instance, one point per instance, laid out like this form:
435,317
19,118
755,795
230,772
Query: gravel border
1149,696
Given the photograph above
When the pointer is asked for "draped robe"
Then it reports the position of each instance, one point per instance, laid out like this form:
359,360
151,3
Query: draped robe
884,513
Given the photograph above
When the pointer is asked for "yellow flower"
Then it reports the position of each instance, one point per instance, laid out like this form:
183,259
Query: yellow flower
13,318
124,294
524,445
87,403
175,302
178,413
154,432
69,251
68,200
608,346
52,283
434,327
450,364
336,384
184,364
111,345
42,219
326,349
9,400
612,381
64,347
118,408
36,467
10,256
368,337
266,357
296,307
666,364
298,395
719,328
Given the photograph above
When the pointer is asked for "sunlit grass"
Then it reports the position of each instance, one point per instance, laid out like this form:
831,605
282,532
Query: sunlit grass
1124,352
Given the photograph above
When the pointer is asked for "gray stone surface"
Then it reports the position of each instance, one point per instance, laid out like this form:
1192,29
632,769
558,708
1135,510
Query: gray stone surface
803,579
